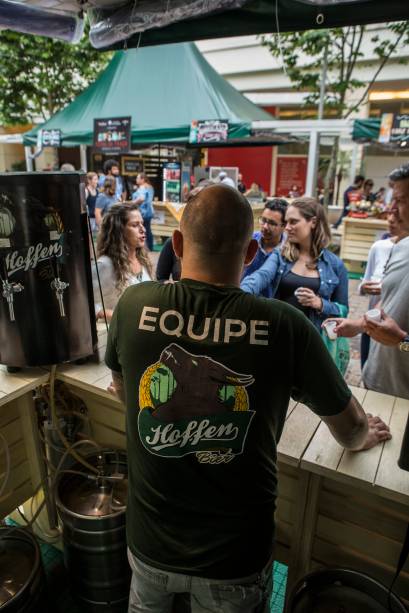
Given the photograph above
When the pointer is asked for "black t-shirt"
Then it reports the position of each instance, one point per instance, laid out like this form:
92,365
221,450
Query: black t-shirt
290,283
208,373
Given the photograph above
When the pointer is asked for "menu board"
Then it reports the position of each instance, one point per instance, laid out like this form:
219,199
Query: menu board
131,166
290,171
208,131
171,182
112,135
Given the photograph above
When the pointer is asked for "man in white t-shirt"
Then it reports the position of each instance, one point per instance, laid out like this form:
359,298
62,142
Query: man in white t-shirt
225,179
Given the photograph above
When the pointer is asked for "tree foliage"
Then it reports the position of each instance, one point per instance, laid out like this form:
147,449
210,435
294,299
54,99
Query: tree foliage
303,54
39,76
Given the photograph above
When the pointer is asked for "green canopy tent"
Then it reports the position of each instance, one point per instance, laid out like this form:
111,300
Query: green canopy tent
163,89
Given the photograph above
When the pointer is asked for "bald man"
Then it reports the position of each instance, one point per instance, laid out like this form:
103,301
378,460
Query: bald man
206,372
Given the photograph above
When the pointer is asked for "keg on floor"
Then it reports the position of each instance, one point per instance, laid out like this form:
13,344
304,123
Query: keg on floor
336,589
22,579
92,512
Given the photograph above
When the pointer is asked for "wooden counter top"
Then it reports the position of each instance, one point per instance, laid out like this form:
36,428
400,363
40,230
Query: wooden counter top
375,469
91,377
13,386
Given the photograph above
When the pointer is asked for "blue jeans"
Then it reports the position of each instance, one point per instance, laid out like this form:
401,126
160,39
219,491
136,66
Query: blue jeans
149,235
154,590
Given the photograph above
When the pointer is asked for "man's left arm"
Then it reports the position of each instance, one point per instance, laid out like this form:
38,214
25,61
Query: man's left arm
112,361
387,331
116,387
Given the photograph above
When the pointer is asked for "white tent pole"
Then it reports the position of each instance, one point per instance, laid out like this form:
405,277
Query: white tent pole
314,148
83,156
29,159
312,163
354,160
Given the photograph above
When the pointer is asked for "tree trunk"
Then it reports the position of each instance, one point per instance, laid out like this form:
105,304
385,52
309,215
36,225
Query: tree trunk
330,174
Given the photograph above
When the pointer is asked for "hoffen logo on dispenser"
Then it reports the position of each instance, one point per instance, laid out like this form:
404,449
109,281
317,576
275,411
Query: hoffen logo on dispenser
35,254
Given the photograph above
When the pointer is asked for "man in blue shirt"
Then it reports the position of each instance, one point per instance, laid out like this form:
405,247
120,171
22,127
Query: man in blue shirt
270,235
111,169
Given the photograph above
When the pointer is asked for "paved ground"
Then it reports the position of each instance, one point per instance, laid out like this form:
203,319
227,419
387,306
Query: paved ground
357,306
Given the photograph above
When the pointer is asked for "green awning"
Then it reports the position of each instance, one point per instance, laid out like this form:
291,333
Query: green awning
163,89
365,130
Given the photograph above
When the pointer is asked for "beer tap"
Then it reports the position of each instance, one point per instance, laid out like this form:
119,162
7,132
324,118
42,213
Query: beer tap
59,286
9,289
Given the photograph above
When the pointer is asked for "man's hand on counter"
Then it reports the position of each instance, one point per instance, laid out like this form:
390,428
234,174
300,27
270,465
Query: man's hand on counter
356,430
378,432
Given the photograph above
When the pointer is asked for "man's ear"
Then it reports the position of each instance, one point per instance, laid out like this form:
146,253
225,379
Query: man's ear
251,252
177,243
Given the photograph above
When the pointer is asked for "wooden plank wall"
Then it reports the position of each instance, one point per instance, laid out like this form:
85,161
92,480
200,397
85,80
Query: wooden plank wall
17,425
358,530
357,238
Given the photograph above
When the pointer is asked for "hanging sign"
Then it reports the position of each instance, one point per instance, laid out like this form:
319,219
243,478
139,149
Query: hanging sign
49,138
112,135
394,128
400,129
208,131
386,127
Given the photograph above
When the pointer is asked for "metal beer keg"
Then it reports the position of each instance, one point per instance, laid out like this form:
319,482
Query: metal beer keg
22,579
92,512
334,590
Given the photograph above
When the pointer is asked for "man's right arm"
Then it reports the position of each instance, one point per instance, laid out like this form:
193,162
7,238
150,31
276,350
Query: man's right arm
319,384
356,430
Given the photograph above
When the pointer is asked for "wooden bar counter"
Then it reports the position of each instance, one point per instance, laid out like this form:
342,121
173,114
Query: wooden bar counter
357,238
335,507
19,429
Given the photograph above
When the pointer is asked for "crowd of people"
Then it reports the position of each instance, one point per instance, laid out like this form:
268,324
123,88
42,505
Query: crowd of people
292,263
232,310
206,371
362,190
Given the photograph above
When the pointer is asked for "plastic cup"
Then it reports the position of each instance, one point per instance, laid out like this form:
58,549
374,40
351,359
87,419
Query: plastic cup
329,327
378,280
374,314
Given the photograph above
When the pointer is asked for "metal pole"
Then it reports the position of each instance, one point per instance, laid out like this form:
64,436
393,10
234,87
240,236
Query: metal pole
83,157
29,159
354,161
314,148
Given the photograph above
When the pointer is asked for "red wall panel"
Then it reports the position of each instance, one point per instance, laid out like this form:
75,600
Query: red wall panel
254,163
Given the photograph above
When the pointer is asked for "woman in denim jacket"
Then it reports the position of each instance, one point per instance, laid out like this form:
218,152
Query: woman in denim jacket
303,272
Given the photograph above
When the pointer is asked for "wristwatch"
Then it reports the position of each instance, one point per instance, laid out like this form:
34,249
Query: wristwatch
404,344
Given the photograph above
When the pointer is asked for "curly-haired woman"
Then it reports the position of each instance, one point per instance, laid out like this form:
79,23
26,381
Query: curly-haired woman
122,257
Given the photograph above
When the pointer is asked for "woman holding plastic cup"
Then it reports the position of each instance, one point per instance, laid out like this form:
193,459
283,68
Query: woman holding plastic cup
303,272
